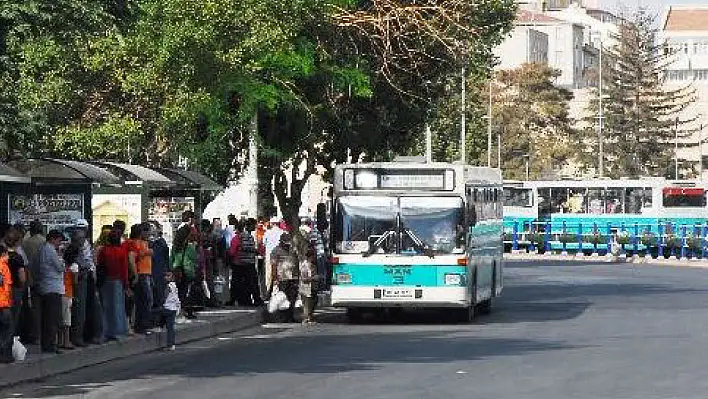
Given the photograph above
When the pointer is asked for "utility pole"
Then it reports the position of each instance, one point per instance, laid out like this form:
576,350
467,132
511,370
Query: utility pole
700,152
428,144
601,149
499,138
252,169
489,127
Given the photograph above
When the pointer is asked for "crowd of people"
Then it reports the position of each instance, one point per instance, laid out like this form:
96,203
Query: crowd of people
62,292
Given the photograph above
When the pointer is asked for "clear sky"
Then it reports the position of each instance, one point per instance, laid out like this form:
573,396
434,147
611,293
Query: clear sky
656,5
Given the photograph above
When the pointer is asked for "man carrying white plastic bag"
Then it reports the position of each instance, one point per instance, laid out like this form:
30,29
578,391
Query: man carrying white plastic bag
285,280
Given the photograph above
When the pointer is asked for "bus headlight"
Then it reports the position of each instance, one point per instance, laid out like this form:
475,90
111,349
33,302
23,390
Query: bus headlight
344,278
453,279
349,179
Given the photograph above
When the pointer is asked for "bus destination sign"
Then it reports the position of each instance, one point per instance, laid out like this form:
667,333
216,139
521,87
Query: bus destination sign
426,181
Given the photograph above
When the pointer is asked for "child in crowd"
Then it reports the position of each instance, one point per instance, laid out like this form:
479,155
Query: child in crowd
70,277
170,309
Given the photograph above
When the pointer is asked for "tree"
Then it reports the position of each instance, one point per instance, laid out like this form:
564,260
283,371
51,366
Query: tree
640,122
168,81
39,68
532,116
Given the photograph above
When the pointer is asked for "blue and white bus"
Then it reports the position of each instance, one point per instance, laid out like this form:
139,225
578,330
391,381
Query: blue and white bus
602,204
416,235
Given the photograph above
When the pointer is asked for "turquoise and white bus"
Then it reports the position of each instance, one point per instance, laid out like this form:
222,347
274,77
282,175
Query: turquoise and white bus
416,235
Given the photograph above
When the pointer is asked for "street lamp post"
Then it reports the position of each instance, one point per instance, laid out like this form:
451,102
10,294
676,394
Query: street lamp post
601,149
463,133
489,127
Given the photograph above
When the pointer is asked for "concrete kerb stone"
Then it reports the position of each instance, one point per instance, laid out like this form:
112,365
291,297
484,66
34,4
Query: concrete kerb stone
41,366
683,262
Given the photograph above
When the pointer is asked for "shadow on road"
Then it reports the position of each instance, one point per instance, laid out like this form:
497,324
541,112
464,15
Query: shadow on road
308,354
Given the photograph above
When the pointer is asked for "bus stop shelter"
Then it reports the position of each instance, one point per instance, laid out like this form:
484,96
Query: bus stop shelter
12,182
129,202
59,192
192,191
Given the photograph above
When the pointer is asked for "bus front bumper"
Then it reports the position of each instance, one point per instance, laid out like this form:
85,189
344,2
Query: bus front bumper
392,296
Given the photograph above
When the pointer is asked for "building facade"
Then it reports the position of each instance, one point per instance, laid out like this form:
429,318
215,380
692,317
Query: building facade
538,37
684,35
524,45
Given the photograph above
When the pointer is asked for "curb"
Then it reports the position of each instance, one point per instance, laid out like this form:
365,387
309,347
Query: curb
694,263
42,366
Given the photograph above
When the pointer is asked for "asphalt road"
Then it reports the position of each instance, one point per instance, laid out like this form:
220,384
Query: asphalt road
560,331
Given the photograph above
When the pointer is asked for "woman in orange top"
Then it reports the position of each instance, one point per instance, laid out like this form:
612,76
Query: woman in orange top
6,328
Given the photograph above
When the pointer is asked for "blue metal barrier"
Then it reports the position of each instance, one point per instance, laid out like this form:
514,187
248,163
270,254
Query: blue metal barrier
682,240
547,237
563,238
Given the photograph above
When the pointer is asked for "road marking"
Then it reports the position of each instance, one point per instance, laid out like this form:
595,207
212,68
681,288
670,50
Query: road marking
225,311
262,336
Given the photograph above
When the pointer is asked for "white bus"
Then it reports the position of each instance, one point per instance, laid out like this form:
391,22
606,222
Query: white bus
416,235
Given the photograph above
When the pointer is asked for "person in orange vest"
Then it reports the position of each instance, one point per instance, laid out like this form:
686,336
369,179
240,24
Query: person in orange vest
6,327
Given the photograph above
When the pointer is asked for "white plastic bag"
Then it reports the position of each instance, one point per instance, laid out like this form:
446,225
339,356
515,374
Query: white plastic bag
278,301
298,303
18,350
205,287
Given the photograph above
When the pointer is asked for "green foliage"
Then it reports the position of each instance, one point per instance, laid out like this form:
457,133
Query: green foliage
595,238
568,238
157,81
649,239
532,116
671,241
110,140
623,238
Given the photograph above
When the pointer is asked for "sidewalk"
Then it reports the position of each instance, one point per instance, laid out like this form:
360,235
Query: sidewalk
639,260
208,324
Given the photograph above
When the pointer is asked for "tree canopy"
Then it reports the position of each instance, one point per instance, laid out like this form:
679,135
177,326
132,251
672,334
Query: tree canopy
166,82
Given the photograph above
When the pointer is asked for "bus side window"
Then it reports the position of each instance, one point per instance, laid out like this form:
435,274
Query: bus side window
471,214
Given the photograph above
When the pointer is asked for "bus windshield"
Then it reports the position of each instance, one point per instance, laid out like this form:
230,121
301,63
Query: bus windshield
436,221
432,223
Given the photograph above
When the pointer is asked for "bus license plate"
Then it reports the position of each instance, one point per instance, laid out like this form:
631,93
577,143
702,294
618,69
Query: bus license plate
397,293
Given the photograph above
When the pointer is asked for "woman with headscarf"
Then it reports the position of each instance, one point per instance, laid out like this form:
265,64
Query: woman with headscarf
184,261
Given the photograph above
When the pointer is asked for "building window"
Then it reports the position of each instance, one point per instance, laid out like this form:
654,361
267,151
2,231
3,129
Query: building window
559,58
682,75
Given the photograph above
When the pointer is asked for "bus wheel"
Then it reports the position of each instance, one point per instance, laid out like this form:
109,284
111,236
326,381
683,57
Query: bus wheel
485,307
354,315
466,315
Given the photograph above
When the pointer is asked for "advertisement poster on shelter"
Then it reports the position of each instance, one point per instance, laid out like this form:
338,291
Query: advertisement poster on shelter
168,212
55,211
